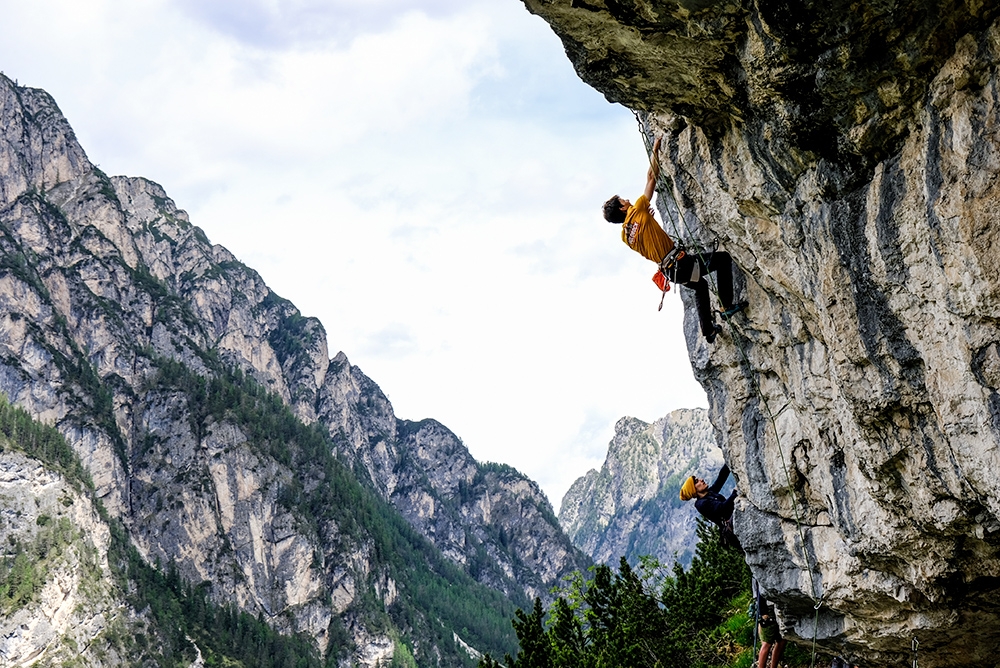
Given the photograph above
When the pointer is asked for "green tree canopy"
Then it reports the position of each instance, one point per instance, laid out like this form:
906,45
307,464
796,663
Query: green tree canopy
642,617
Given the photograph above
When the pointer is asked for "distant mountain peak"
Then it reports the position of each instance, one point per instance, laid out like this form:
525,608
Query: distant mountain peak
630,506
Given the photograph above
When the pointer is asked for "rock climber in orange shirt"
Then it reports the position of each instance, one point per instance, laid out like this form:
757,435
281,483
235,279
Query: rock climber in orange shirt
643,234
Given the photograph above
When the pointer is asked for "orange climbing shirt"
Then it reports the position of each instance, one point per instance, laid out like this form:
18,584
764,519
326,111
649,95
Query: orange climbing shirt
643,234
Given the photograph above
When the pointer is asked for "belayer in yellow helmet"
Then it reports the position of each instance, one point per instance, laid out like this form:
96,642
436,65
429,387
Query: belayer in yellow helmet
712,505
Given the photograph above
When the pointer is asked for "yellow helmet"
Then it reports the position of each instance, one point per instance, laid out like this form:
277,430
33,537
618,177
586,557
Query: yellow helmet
687,489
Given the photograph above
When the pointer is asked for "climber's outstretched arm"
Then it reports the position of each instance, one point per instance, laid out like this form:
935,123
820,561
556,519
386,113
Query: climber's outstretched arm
654,170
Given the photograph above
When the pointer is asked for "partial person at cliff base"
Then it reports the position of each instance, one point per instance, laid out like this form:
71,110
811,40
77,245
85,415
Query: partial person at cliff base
771,641
712,505
643,234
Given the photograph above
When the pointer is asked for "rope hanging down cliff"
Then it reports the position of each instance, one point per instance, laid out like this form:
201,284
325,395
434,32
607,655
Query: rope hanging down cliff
691,241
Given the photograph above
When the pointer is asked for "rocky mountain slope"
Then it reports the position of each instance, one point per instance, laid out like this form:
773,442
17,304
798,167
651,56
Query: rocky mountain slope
58,595
74,591
846,154
219,432
631,506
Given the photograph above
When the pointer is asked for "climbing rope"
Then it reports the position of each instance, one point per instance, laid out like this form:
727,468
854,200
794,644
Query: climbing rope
751,375
914,645
755,592
819,604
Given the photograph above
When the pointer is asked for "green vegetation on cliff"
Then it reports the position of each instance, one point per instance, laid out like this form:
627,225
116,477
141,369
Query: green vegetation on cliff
177,612
181,614
42,442
25,565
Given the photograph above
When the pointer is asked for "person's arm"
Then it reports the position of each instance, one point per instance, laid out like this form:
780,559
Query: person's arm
711,508
721,480
654,171
726,508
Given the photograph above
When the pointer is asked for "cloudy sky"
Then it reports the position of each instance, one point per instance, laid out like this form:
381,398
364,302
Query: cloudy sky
424,176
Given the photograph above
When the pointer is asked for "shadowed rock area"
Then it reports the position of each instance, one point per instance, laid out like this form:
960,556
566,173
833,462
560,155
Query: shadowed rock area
846,155
835,78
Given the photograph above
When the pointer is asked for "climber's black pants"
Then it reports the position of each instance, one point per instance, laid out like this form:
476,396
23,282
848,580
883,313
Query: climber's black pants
722,265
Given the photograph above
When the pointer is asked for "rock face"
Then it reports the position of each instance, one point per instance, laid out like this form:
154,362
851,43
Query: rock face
846,154
631,506
52,532
171,369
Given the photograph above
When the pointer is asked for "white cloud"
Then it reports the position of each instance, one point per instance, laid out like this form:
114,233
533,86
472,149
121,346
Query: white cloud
285,23
391,342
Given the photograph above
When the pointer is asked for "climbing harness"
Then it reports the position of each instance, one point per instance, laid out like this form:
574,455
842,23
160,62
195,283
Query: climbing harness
667,271
691,240
669,263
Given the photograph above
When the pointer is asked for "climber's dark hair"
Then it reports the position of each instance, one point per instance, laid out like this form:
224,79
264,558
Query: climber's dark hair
613,210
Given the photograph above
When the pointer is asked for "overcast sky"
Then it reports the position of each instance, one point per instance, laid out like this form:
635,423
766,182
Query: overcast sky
424,176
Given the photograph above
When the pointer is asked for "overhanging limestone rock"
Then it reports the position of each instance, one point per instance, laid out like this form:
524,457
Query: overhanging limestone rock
834,77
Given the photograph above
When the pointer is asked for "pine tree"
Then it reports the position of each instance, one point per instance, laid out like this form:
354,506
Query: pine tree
569,644
535,645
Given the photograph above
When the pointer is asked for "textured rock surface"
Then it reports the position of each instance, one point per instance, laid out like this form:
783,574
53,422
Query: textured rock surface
837,78
852,173
631,506
110,299
73,612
